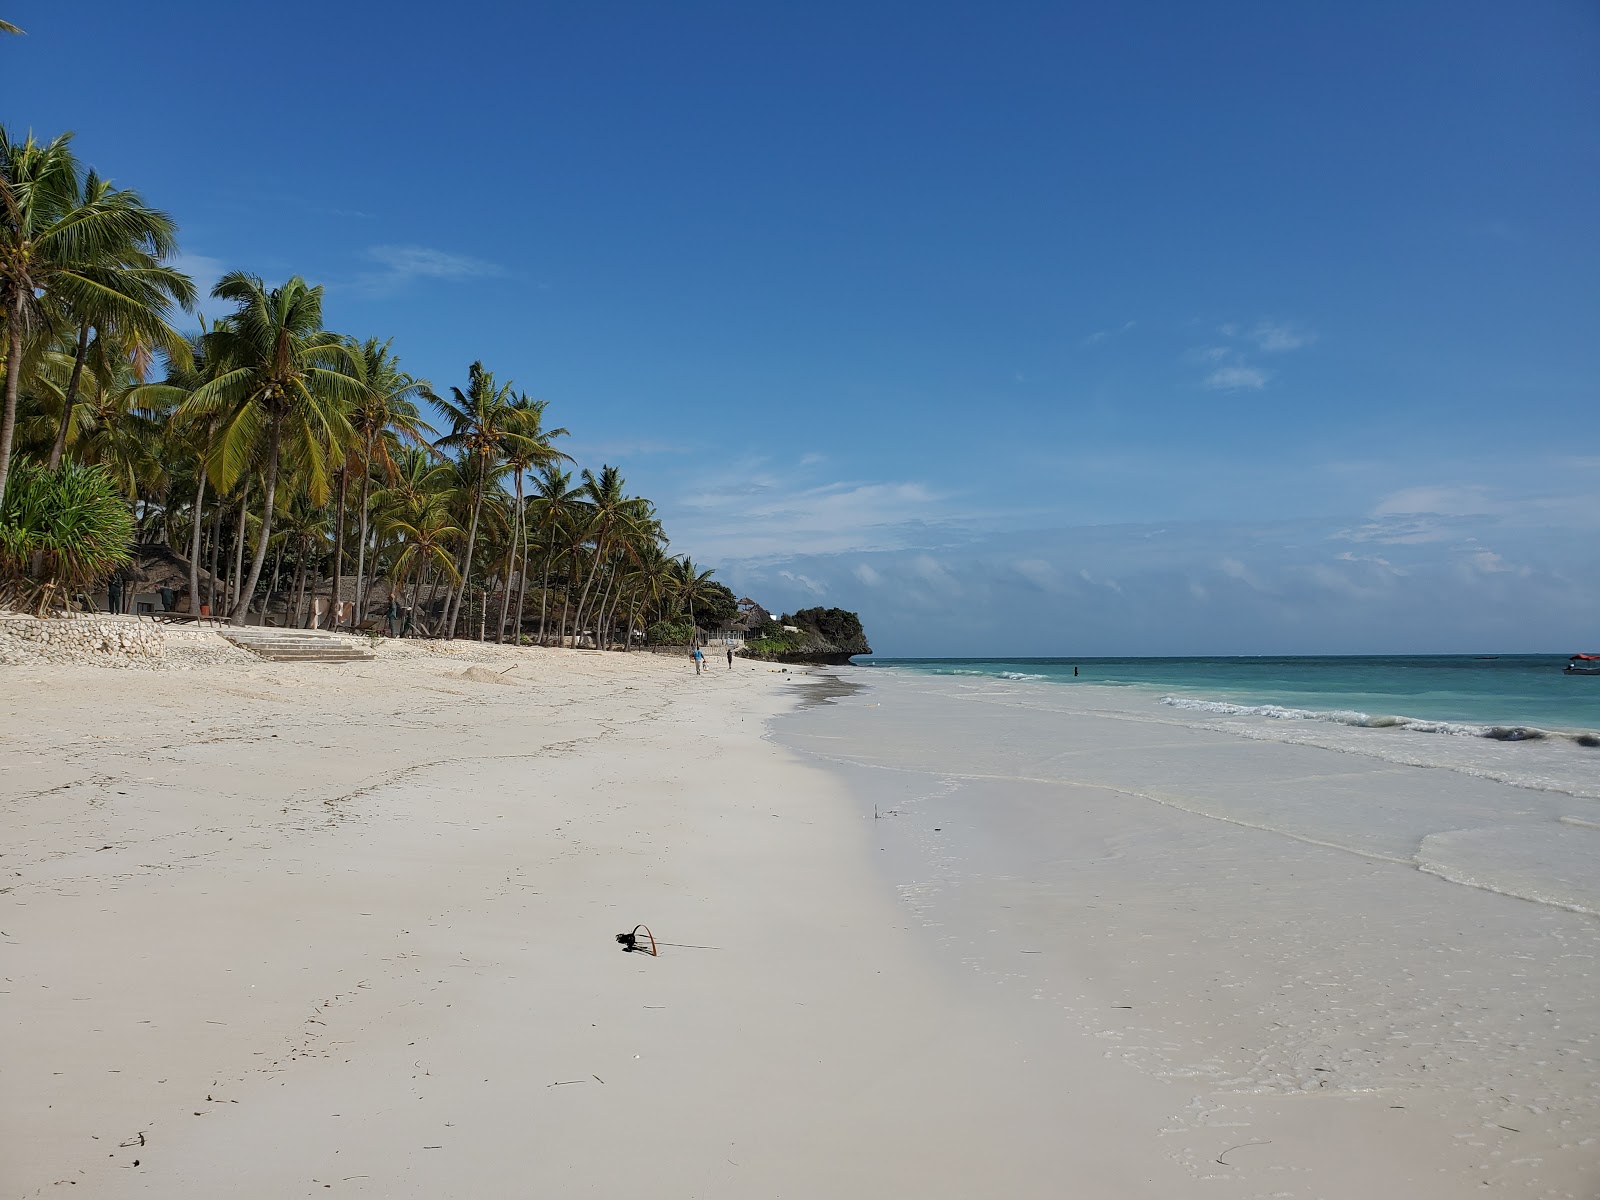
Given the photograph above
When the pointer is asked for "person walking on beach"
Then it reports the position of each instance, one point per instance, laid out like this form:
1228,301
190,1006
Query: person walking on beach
730,658
699,660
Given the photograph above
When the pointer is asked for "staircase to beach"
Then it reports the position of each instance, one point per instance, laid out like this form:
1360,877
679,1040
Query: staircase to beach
296,645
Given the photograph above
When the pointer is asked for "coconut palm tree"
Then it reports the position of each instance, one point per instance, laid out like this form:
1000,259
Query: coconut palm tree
530,448
66,247
691,588
614,517
554,506
386,418
139,329
482,425
280,379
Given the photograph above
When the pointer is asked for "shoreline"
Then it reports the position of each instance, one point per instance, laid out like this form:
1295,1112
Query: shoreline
1217,912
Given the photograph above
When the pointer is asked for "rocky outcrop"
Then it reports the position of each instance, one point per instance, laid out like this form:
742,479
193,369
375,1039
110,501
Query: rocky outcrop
816,636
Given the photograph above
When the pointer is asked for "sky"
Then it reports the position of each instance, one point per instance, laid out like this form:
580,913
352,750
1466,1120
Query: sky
1021,328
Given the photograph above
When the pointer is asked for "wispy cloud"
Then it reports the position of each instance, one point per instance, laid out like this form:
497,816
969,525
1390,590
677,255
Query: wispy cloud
1274,337
400,265
1237,379
1231,362
1105,335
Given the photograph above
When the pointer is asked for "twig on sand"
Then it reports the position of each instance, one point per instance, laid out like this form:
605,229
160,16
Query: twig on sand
564,1082
1240,1146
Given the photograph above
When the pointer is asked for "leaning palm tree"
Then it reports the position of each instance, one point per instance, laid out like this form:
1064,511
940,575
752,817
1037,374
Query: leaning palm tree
280,379
65,248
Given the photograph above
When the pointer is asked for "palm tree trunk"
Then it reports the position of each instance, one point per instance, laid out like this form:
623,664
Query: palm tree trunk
211,567
544,587
522,580
583,599
293,618
232,596
338,552
194,545
466,568
360,610
511,567
274,445
70,396
272,580
8,418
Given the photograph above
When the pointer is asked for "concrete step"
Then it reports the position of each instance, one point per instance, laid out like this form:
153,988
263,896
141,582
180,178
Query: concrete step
298,645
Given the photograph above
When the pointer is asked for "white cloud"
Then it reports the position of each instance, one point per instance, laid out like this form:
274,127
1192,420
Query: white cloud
1237,378
1234,569
400,265
1038,572
1467,501
1276,338
752,512
805,581
1105,335
865,573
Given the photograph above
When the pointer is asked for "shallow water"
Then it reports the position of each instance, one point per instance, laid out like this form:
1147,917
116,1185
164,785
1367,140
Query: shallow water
1259,909
1467,694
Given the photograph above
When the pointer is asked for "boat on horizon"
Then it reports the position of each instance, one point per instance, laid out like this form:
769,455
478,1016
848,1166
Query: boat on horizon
1582,664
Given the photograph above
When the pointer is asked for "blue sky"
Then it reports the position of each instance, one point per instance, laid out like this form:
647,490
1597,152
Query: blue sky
1020,328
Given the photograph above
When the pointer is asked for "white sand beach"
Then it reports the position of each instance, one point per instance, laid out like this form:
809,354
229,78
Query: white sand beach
290,929
277,930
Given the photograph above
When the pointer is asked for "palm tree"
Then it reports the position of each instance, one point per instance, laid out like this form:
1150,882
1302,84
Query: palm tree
613,518
66,247
428,537
691,589
280,377
385,419
530,448
555,505
482,425
139,328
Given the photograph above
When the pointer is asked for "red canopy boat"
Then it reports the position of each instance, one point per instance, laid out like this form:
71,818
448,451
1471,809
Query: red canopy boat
1582,664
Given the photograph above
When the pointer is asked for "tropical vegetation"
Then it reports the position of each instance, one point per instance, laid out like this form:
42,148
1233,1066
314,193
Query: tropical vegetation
291,469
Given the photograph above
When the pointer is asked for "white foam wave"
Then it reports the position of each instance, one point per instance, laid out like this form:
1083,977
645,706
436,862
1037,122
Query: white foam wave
1020,675
1361,720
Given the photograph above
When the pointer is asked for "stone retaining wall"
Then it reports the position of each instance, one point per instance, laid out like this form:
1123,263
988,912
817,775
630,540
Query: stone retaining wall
78,640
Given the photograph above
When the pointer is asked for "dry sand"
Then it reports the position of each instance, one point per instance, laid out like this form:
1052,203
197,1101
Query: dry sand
279,929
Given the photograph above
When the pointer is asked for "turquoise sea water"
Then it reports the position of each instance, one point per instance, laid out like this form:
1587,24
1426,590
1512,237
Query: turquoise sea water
1489,694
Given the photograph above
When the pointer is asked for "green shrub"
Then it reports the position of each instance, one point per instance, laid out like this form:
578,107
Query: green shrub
60,531
669,633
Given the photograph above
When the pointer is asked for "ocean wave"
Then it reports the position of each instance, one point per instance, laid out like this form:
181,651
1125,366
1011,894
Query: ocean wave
1361,720
1020,675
